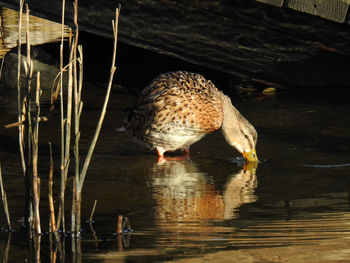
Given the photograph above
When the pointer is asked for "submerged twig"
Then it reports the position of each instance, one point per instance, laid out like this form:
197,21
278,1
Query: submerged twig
4,201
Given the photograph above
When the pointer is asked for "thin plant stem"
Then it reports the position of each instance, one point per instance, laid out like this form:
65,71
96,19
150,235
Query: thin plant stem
2,64
74,214
119,225
6,249
35,141
4,200
19,93
93,211
60,216
37,245
78,110
28,66
52,228
79,185
33,136
16,124
103,112
53,248
68,122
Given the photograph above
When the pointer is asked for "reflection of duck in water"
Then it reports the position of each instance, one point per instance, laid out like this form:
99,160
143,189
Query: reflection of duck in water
177,109
239,189
184,194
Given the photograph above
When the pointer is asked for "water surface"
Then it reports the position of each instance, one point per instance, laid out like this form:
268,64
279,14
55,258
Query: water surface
293,206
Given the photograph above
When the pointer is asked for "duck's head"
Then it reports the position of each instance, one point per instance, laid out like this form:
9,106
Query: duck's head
238,131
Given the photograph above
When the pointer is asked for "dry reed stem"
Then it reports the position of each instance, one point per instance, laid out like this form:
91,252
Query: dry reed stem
103,112
52,226
79,179
60,216
19,97
7,249
93,211
37,243
94,234
16,124
120,224
75,215
53,249
28,67
4,201
67,134
3,48
2,65
56,87
35,142
76,250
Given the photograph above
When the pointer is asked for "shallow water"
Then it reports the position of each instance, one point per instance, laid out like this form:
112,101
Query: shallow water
293,207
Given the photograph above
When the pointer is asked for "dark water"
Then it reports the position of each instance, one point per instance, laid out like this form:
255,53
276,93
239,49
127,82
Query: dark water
293,207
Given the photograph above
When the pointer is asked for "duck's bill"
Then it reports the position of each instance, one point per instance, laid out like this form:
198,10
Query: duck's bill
251,156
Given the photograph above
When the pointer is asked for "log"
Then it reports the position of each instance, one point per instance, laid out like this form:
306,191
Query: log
278,3
243,38
334,10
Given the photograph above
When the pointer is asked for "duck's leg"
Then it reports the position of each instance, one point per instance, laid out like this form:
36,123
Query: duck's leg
160,152
162,158
187,152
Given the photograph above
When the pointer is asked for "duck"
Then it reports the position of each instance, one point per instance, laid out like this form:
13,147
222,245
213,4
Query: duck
177,109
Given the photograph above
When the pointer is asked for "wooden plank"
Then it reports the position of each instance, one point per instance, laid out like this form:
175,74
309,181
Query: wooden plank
278,3
334,10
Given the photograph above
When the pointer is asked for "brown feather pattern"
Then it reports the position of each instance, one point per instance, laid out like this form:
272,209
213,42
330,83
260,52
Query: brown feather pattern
175,110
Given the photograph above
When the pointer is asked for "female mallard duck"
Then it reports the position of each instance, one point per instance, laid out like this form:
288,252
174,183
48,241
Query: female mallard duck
178,108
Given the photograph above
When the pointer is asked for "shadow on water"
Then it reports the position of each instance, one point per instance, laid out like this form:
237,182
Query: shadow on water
207,207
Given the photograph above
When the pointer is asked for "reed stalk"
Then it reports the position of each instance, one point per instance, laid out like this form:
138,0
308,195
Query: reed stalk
81,179
37,245
28,66
29,127
2,65
77,114
33,185
67,134
4,201
7,249
35,142
119,225
19,96
103,112
60,216
93,211
52,226
77,102
53,249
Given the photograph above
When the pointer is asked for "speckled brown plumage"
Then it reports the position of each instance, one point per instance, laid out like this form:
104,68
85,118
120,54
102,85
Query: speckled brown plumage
176,110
